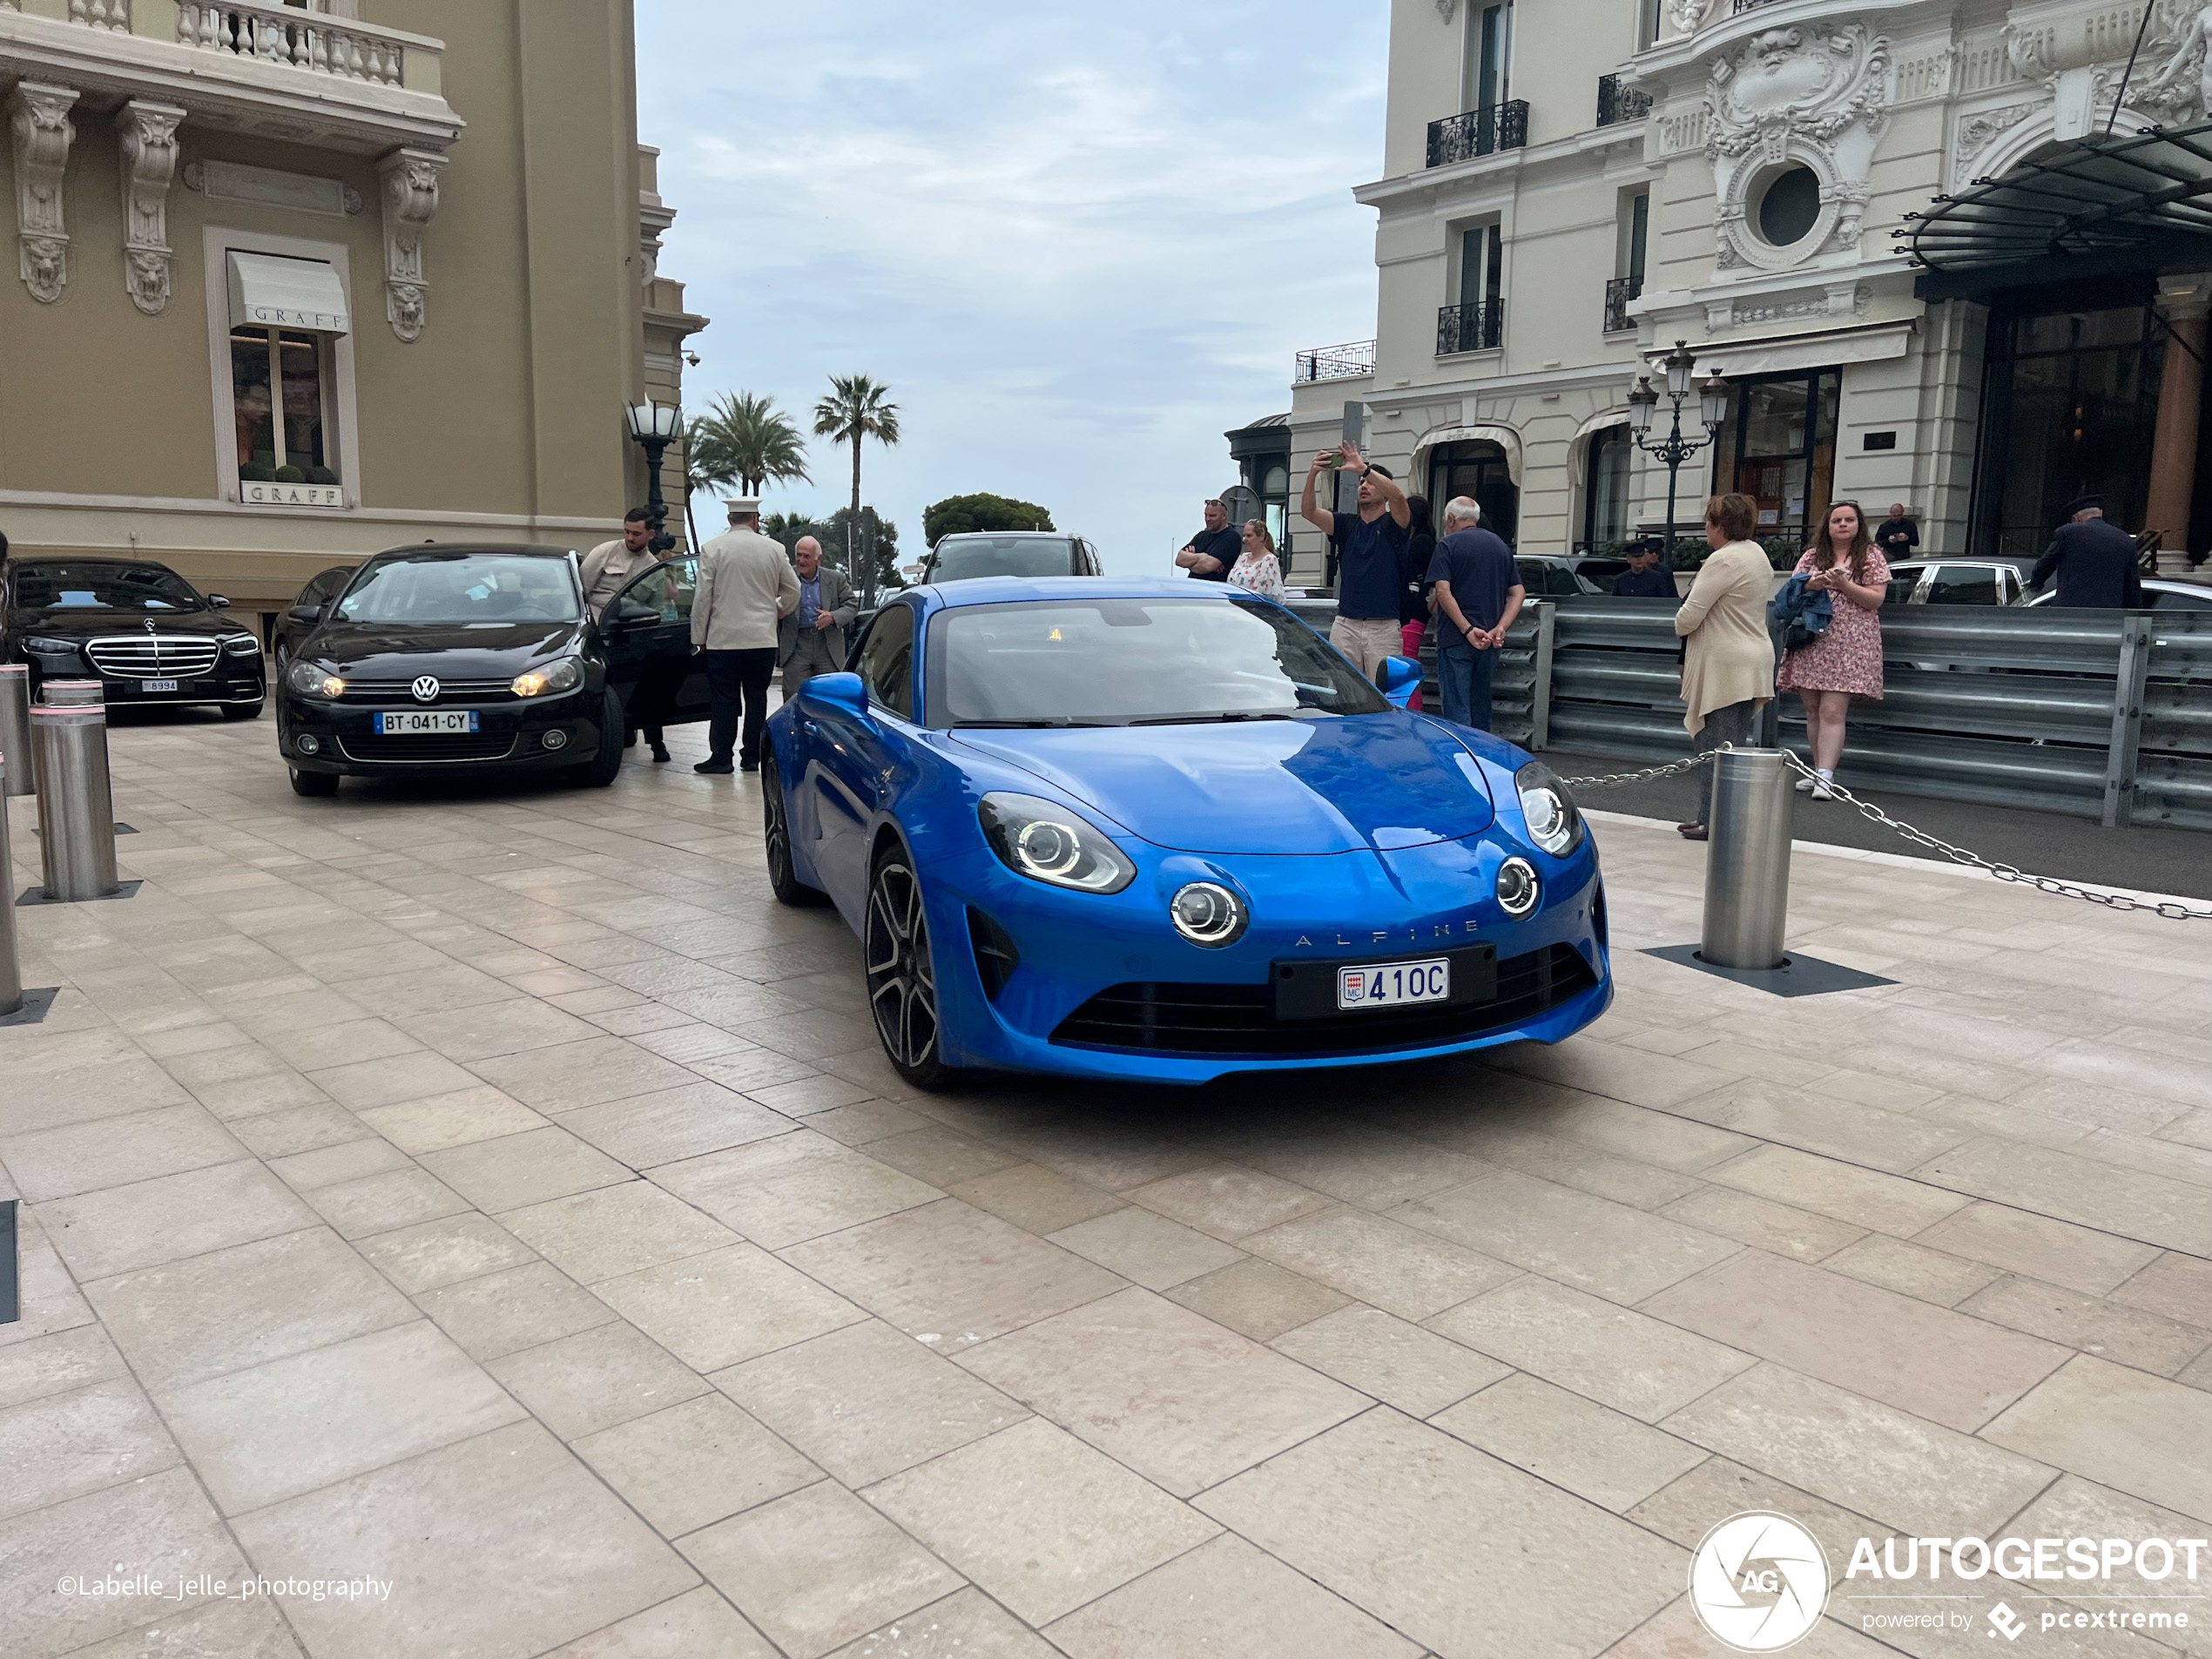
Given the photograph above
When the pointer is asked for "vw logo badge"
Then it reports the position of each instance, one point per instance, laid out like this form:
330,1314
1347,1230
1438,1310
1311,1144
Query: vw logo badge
426,688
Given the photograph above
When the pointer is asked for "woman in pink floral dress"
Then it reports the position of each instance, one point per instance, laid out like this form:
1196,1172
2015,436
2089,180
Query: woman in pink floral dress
1845,660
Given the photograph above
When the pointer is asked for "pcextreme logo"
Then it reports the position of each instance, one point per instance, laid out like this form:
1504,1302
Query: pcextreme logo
1758,1582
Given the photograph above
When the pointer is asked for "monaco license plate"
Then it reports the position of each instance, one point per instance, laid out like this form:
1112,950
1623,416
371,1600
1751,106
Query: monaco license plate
1387,985
156,686
415,723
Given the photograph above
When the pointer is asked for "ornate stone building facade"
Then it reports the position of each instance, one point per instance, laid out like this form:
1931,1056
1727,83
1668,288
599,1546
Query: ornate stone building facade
1570,187
295,283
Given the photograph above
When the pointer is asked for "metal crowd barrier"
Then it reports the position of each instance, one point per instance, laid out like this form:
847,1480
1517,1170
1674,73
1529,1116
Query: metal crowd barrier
2102,714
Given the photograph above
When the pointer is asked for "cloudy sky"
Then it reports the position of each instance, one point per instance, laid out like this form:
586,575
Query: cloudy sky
1079,242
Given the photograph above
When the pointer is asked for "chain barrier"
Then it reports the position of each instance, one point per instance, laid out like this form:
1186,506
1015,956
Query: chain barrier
2171,910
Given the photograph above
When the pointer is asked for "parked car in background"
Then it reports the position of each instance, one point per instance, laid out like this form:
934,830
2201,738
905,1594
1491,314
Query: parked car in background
2157,595
1554,576
290,629
1958,582
144,632
970,554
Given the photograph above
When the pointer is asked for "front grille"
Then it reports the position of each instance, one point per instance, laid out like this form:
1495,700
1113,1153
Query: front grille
1149,1017
402,691
429,747
153,657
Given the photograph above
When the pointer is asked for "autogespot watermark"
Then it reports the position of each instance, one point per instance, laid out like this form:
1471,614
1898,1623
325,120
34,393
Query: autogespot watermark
1760,1581
206,1587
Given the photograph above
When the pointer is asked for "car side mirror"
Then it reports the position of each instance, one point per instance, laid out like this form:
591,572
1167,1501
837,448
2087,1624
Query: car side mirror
1398,679
307,616
628,613
216,602
847,692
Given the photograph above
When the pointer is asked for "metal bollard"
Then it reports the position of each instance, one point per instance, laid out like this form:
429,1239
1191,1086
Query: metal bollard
15,728
1747,863
73,694
11,963
76,807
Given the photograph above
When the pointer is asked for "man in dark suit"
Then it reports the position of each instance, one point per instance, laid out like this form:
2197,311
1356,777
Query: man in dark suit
1646,578
2093,558
811,640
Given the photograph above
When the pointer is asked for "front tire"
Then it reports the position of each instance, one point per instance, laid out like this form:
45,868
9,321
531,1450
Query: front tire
314,785
783,874
902,974
602,768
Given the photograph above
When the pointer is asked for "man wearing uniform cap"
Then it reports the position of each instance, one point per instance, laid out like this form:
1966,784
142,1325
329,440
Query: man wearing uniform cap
746,588
2093,558
1647,577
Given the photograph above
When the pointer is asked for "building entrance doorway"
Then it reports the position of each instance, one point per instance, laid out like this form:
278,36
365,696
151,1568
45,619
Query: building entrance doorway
1476,468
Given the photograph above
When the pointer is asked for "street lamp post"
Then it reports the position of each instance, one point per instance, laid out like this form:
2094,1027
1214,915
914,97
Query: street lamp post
654,426
1675,448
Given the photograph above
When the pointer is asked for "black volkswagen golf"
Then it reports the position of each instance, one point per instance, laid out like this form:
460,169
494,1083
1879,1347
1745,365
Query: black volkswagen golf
451,658
140,628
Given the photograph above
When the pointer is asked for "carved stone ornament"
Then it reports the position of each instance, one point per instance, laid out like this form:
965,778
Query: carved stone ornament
146,134
39,125
1977,132
2181,90
1445,8
410,197
1809,95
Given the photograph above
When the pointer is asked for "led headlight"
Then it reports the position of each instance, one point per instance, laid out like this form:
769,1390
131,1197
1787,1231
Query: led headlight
1049,843
1554,822
241,644
1518,888
562,675
310,681
51,647
1205,912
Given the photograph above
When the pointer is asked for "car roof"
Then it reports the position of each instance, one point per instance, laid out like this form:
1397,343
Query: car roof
521,549
16,560
994,535
1005,589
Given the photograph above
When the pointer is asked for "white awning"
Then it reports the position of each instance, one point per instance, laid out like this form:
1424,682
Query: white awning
268,292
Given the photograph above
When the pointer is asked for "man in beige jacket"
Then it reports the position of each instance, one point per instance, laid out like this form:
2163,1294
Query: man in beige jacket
746,586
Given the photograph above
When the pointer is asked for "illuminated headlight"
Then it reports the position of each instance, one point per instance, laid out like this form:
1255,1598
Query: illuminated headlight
51,647
241,644
564,675
1518,888
1554,822
1050,843
1205,912
310,681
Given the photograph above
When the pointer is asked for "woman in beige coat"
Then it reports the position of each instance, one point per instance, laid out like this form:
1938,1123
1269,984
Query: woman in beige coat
1728,657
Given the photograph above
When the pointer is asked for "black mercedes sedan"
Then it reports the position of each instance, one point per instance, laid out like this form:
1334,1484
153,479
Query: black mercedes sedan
144,632
446,658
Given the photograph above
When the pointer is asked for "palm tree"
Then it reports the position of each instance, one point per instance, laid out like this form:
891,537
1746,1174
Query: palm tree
706,465
745,440
857,408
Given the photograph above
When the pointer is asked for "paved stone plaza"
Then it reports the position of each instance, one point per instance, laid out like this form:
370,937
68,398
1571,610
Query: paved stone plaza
499,1195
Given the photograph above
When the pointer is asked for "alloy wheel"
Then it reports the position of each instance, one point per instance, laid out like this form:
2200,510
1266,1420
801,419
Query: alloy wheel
776,825
902,981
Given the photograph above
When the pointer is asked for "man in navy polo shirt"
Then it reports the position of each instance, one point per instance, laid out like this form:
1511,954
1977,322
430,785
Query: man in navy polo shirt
1478,596
1366,630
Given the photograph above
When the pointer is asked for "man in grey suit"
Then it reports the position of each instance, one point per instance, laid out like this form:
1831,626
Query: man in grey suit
811,640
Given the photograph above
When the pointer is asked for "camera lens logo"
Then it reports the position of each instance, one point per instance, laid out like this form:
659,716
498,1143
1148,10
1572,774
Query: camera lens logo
1758,1582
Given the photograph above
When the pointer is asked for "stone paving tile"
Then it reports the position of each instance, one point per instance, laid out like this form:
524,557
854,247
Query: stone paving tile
433,1253
327,1166
1687,1508
432,1122
297,1129
1228,1599
2127,1202
2122,1428
1031,1197
224,1629
379,1203
1763,1223
726,1306
1226,1201
964,1625
696,1622
1399,1363
116,1152
58,1364
695,1463
1258,1299
2129,1336
1675,1633
2176,1285
99,1234
2056,1251
1594,1453
939,1155
1571,1163
1867,1198
572,1074
502,1312
526,1168
384,1081
1392,1266
818,1568
512,1508
1178,1399
1145,1247
616,1229
1387,1512
62,1446
866,1401
1039,1520
673,1125
793,1187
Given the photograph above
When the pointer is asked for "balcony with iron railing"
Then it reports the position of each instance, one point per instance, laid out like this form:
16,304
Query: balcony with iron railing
1478,326
241,65
1616,103
1478,132
1618,292
1336,362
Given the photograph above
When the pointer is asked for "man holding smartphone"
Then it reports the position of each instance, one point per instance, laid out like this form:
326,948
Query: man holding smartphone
1367,629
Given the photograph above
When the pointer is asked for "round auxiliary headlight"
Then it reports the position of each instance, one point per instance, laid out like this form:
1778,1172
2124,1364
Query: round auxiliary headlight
1047,848
307,744
555,738
1517,888
1205,912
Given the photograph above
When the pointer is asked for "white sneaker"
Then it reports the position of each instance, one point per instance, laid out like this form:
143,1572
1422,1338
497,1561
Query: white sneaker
1820,782
1804,784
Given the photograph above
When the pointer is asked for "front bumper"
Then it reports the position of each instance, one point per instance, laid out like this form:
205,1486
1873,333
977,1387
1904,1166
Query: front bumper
511,737
232,680
1080,953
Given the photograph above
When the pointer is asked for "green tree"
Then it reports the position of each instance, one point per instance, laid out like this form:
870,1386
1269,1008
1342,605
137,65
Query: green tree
857,408
958,513
870,532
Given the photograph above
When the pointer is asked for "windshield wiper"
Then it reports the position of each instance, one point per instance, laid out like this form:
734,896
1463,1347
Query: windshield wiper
1016,726
1208,719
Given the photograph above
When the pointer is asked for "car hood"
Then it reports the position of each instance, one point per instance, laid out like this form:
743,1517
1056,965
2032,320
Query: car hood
83,621
376,650
1272,786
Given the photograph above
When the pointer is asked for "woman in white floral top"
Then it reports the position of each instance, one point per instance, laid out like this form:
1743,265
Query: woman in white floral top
1255,570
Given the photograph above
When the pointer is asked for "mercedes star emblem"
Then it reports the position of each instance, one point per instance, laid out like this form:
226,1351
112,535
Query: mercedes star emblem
426,688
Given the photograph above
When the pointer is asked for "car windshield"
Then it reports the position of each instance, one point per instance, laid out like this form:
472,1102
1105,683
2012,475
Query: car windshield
69,586
960,558
456,588
1121,662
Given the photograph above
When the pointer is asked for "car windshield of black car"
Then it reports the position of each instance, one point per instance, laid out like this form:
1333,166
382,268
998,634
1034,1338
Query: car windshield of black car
1117,662
960,558
71,586
455,588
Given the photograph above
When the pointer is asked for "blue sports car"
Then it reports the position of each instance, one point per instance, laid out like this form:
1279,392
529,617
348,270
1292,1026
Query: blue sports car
1160,831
